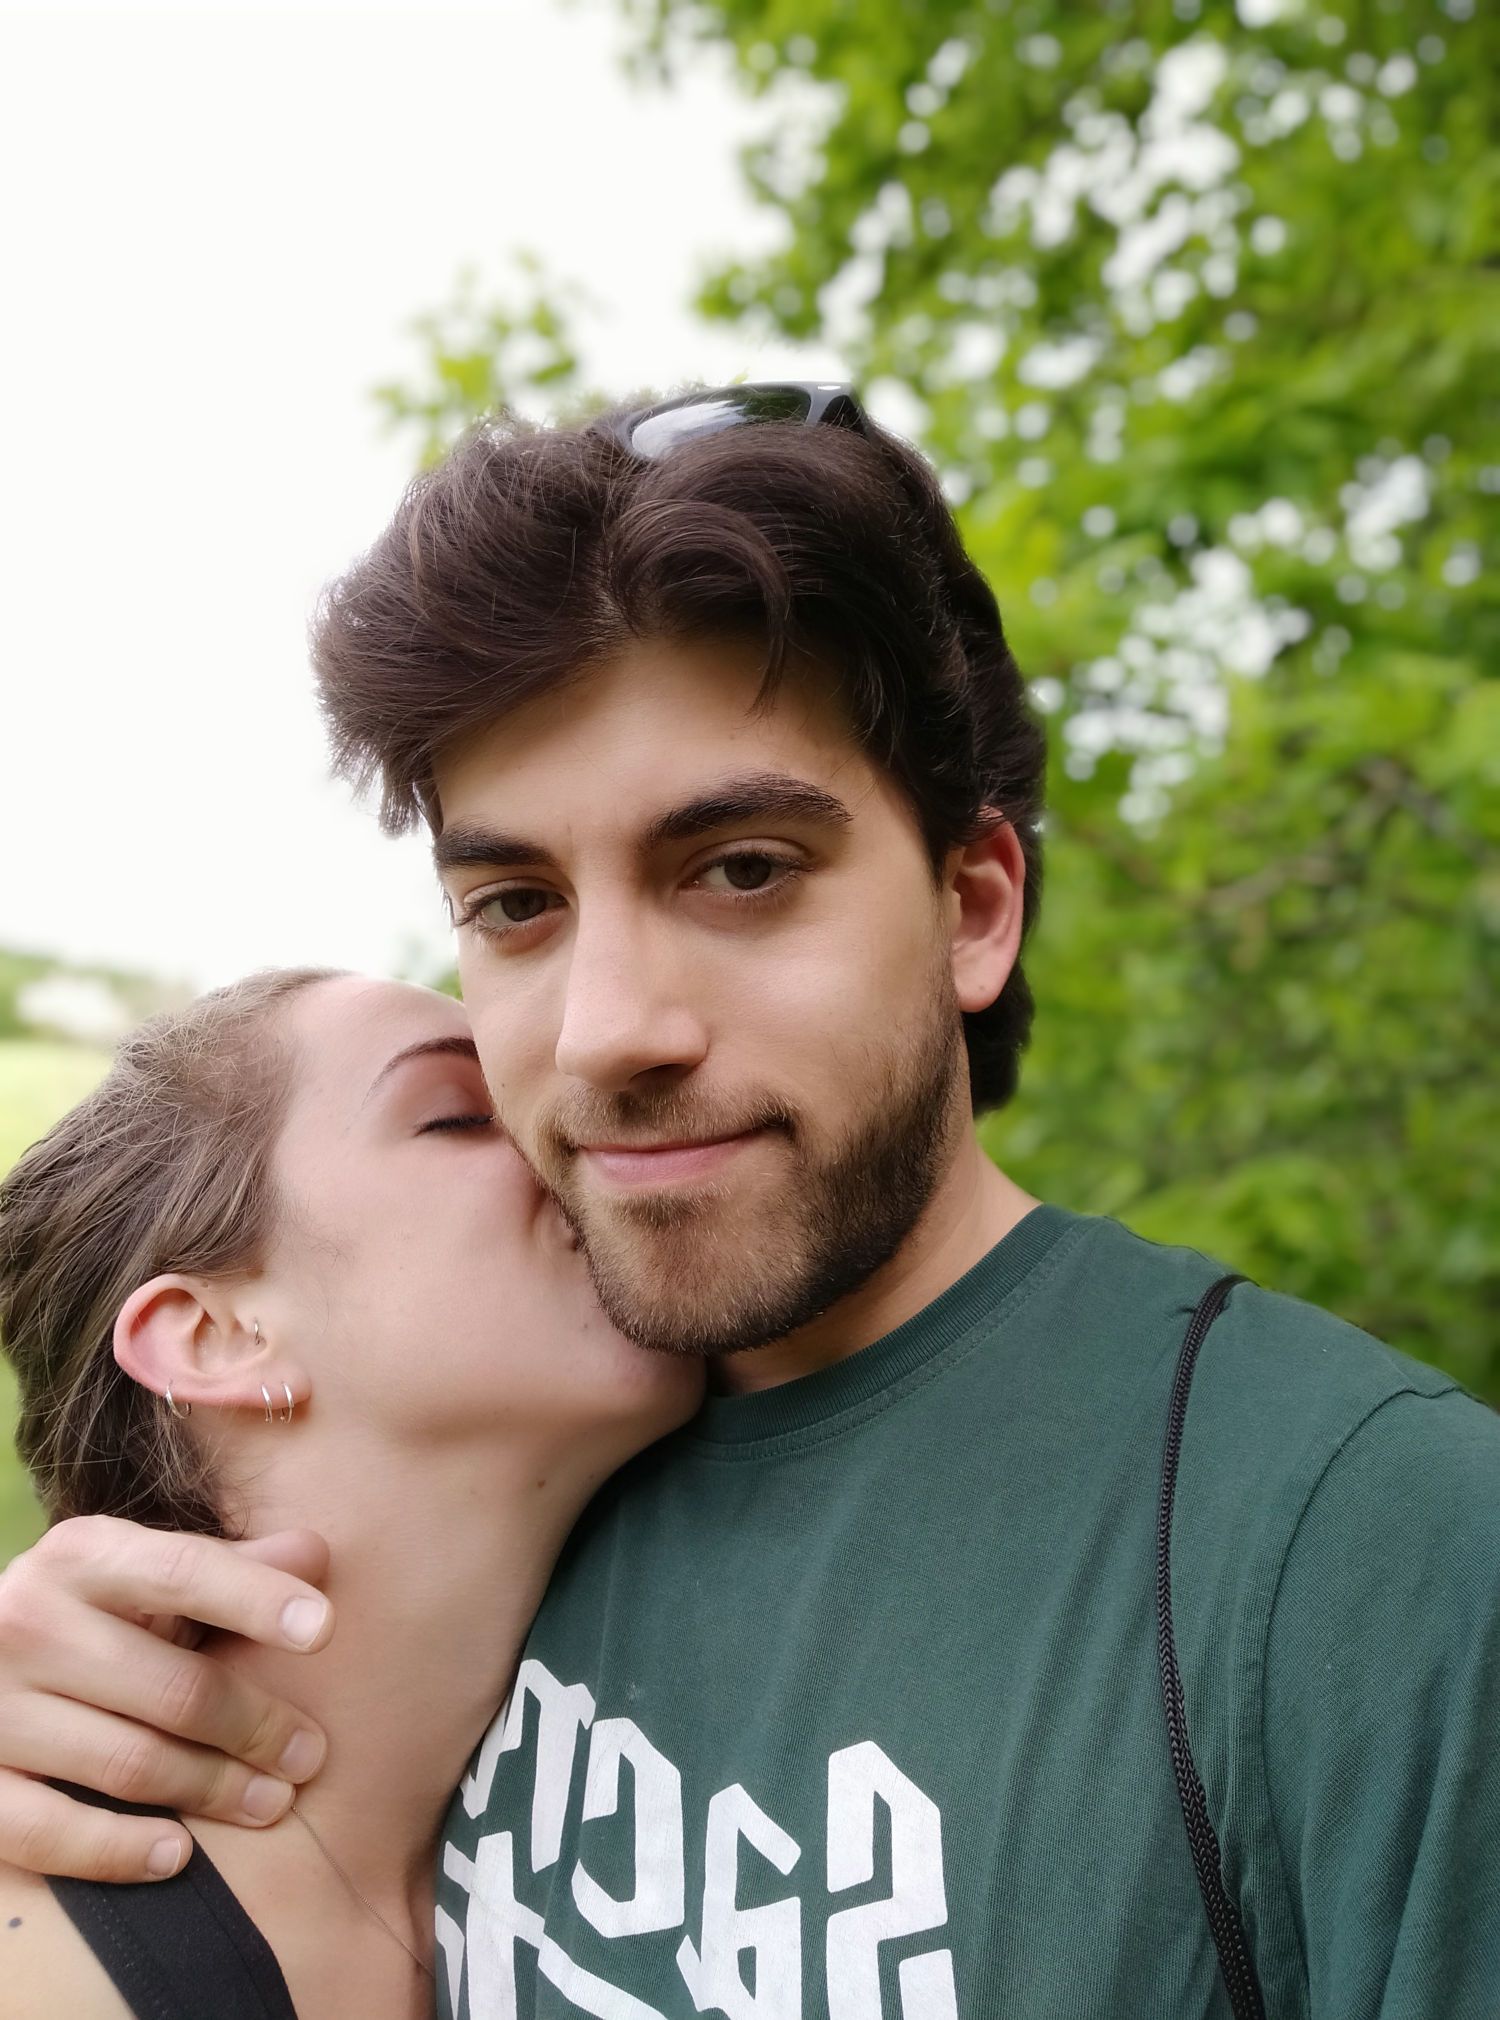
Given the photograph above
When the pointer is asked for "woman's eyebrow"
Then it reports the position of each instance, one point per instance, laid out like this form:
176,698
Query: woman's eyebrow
454,1047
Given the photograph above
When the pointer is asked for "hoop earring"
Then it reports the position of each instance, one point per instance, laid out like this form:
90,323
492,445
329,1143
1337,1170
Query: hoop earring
177,1409
277,1415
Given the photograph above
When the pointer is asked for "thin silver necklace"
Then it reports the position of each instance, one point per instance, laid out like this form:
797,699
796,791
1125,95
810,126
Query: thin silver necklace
369,1908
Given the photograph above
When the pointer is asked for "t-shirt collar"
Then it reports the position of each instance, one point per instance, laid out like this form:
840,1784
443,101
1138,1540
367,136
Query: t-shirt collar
873,1370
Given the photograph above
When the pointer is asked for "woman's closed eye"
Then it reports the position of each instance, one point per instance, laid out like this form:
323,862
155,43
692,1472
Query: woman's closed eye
476,1121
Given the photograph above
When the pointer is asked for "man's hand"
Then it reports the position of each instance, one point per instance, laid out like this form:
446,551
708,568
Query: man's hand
99,1685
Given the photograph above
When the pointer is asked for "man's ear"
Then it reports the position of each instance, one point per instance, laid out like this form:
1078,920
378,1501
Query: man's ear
189,1335
985,882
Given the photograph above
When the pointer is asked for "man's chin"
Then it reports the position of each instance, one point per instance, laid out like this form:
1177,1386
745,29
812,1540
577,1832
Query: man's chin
684,1331
671,1283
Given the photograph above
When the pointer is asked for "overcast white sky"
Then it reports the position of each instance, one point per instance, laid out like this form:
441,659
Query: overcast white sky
217,222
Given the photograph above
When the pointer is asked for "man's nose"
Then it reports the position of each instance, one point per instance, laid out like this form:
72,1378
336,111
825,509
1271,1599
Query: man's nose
629,1008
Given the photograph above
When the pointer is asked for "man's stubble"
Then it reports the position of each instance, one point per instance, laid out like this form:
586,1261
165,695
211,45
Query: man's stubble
687,1273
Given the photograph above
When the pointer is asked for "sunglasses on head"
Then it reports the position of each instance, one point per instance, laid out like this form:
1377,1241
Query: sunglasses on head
652,432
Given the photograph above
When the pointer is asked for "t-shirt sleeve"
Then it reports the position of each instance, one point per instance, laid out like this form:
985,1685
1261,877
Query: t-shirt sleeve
1382,1717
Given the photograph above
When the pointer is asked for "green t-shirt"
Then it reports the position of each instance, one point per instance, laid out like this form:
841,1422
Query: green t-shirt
844,1704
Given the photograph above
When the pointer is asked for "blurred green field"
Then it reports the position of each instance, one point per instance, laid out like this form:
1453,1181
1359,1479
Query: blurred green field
38,1082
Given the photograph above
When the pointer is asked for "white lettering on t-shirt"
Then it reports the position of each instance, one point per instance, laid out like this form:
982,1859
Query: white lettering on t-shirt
562,1711
497,1922
773,1934
918,1899
657,1902
766,1983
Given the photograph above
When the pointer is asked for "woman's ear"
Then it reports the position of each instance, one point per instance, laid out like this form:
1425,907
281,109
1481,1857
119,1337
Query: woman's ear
188,1335
986,887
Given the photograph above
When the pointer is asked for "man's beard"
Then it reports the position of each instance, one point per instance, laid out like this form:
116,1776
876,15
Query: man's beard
680,1273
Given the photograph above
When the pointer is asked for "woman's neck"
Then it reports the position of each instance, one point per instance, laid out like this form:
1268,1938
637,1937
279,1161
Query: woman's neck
438,1562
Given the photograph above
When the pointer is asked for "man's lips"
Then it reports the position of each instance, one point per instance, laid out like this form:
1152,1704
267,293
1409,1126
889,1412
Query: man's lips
668,1162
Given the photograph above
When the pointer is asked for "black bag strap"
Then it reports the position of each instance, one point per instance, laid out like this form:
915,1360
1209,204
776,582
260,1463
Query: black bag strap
1224,1924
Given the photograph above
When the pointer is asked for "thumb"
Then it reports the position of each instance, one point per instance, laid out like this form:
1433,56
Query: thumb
302,1552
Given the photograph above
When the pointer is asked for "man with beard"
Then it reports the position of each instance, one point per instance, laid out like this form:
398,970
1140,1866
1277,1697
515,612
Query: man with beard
939,1694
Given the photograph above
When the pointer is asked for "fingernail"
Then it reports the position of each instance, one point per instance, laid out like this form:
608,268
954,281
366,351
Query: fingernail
302,1755
302,1621
265,1799
166,1857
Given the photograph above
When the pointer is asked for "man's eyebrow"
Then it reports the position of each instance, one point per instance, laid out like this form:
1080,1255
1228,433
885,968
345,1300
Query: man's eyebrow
451,1047
737,801
731,802
466,846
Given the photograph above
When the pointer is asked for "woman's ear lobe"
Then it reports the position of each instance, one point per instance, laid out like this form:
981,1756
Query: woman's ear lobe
159,1335
182,1333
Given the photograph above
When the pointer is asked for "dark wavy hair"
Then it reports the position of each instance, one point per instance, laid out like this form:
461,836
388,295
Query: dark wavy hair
531,554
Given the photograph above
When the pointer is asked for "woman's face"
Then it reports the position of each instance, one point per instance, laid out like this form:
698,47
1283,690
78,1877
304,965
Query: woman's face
419,1272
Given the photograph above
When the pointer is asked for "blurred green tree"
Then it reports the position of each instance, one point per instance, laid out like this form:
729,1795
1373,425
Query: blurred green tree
1195,307
479,350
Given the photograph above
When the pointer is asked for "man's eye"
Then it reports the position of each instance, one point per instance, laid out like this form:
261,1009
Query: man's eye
513,908
749,870
497,915
456,1122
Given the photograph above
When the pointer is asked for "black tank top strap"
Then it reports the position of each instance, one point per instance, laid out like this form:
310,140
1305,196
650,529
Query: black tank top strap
178,1949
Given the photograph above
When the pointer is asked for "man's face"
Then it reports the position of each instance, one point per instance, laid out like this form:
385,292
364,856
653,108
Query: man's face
707,966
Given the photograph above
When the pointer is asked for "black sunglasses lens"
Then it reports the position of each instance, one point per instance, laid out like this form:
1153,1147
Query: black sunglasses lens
844,411
656,434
